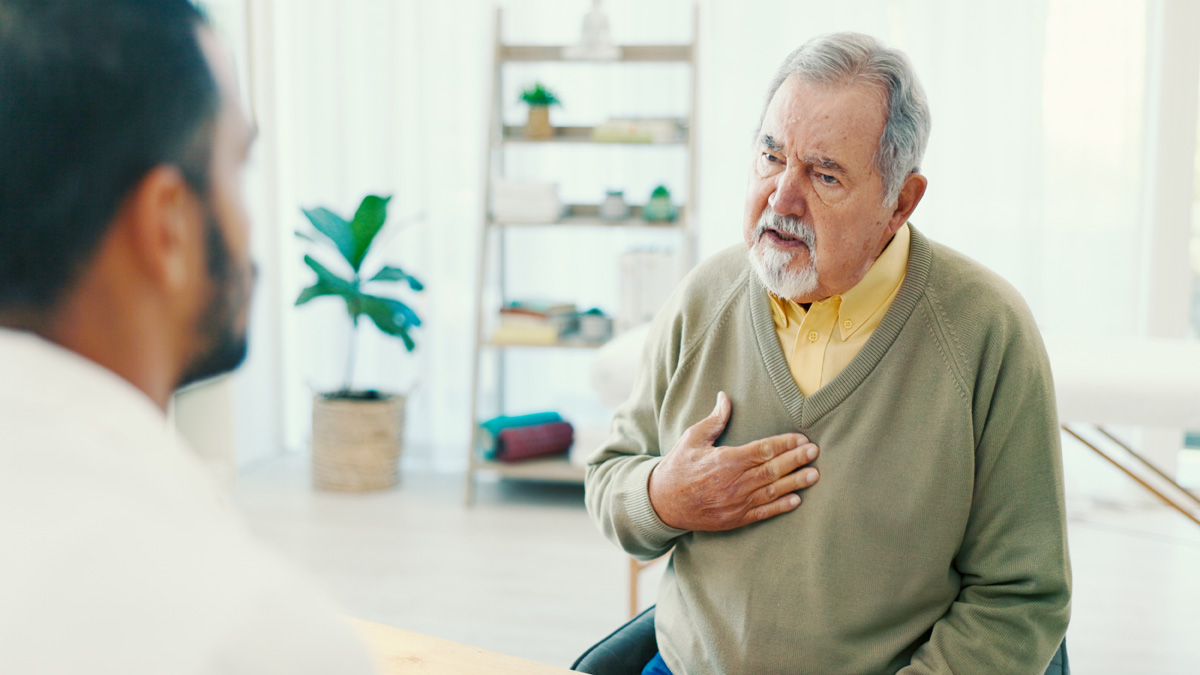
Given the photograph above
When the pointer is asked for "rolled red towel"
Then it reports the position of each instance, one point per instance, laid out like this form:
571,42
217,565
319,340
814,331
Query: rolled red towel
538,440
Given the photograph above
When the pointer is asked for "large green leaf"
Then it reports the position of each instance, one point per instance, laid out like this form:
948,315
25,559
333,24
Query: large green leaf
368,220
333,281
329,283
391,273
401,313
409,344
317,290
391,316
337,229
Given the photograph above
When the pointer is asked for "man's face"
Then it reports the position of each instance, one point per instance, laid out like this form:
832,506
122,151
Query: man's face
815,218
220,329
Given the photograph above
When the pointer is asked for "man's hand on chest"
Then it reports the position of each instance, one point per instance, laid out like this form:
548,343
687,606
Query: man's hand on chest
704,488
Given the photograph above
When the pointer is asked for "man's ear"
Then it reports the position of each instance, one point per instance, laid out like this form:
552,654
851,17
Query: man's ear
910,195
157,219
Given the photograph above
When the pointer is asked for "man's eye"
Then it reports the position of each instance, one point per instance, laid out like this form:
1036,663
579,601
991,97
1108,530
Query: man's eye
769,164
827,179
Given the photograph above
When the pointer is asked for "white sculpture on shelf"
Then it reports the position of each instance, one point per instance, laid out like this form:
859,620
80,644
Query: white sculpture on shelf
596,43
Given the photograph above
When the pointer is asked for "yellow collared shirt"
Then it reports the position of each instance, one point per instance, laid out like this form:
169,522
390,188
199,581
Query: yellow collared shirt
819,343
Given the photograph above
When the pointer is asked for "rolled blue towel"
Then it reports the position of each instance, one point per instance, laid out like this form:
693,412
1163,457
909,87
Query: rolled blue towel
494,426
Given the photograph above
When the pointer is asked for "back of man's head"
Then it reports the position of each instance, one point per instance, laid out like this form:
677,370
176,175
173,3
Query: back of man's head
93,95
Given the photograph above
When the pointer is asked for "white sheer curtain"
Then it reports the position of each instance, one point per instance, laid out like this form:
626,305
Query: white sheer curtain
381,97
1034,161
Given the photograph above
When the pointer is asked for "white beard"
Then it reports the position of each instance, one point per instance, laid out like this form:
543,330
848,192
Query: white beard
773,266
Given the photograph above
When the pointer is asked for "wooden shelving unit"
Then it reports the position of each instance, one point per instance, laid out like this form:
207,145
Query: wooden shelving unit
575,216
551,470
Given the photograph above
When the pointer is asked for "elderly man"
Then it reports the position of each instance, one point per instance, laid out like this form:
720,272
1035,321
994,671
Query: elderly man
124,273
934,541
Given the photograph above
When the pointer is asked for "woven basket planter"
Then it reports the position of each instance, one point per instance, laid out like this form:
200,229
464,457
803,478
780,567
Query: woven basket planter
356,443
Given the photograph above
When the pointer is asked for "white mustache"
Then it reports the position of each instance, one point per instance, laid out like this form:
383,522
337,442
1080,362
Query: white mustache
790,225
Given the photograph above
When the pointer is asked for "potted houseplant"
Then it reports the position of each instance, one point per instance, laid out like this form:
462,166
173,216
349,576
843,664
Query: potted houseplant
539,99
357,434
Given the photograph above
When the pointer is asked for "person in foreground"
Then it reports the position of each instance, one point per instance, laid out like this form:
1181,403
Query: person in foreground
935,539
124,274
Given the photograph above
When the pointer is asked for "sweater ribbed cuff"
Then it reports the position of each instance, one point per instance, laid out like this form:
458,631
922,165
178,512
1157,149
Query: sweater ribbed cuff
642,517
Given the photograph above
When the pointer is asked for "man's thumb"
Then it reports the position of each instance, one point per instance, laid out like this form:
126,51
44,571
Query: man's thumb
712,426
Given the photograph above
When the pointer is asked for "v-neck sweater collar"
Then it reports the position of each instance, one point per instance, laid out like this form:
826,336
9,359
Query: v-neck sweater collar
805,410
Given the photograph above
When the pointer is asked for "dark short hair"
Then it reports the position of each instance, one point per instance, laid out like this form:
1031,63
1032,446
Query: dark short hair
93,95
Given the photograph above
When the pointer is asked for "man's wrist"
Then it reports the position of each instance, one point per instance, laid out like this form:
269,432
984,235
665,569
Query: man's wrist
658,502
641,510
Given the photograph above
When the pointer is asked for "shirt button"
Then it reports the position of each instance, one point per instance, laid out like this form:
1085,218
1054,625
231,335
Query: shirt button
847,324
812,336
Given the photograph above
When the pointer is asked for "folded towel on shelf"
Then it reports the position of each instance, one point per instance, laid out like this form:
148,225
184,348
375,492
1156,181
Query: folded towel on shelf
539,440
525,202
494,426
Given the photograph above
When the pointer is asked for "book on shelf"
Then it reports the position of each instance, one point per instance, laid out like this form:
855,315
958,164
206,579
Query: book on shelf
539,307
537,322
639,130
532,334
533,322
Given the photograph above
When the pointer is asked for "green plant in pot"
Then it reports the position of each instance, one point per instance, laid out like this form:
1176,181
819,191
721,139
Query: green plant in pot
357,434
539,99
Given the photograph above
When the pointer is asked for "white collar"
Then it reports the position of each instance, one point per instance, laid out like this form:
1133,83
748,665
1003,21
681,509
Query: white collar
35,372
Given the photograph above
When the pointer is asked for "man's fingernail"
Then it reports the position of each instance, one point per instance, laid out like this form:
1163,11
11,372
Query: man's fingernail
812,452
794,500
717,407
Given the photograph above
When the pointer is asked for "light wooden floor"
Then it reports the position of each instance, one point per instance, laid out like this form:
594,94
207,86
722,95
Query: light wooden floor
524,572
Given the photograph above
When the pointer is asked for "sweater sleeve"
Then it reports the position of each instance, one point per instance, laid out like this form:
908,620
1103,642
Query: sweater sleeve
1012,611
618,473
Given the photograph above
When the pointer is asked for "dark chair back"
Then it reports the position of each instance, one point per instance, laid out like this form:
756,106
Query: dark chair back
626,650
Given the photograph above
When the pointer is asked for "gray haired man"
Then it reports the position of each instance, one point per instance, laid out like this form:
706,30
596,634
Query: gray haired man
935,539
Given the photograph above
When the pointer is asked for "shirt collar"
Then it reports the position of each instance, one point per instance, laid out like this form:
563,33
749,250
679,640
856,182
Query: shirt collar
872,292
35,372
858,304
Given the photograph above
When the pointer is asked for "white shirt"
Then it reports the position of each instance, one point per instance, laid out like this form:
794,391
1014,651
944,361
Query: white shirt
117,555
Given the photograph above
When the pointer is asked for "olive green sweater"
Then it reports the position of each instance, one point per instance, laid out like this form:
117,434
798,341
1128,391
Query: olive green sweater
935,541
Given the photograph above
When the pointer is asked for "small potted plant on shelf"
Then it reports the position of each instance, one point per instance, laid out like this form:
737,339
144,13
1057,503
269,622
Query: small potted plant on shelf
357,434
539,99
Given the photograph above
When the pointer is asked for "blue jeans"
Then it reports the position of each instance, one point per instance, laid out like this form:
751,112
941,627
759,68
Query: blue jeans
656,666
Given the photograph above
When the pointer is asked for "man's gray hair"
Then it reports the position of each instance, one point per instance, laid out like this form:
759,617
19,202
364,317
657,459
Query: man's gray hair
849,58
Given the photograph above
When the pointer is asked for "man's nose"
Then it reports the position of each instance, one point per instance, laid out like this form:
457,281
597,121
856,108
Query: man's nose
789,197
